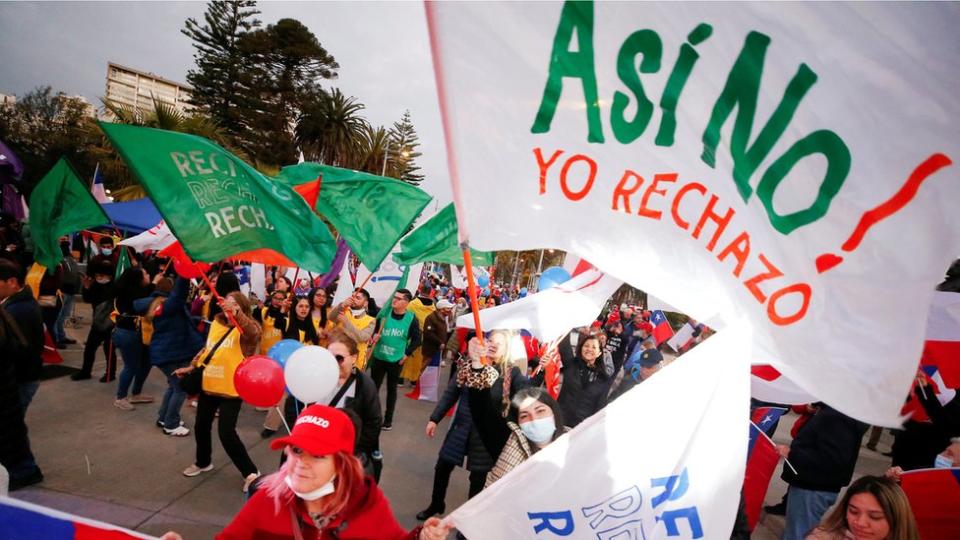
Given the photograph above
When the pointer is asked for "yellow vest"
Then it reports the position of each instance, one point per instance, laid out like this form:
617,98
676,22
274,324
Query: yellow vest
316,325
218,375
360,323
271,334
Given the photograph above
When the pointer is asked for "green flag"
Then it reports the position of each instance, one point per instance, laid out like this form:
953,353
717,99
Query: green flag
436,241
60,204
220,207
123,262
370,212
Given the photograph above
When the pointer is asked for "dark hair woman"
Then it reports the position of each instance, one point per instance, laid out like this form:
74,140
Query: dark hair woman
133,285
320,313
300,323
228,349
535,421
586,380
873,508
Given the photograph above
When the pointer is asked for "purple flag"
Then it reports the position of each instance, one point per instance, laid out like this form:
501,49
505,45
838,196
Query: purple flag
12,202
339,257
11,168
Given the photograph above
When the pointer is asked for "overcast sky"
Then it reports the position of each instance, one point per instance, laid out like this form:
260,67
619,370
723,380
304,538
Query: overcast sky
382,48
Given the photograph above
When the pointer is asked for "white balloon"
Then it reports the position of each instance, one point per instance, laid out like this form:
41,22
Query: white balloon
311,374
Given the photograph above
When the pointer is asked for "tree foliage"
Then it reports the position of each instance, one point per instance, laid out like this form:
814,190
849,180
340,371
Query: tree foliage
404,142
218,80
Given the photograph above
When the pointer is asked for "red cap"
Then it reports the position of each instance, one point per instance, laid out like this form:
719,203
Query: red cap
321,431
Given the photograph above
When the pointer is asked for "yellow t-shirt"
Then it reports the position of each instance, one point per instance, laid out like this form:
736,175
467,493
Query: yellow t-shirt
271,334
218,375
359,323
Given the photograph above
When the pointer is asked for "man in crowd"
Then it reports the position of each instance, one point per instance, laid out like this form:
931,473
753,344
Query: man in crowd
17,300
435,331
616,343
421,307
639,367
352,317
398,335
825,452
107,255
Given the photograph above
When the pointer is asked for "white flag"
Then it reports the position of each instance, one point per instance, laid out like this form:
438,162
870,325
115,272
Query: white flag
681,338
156,238
665,460
728,161
457,279
383,282
550,313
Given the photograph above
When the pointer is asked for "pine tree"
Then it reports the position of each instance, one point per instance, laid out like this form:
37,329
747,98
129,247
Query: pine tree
287,64
404,142
219,78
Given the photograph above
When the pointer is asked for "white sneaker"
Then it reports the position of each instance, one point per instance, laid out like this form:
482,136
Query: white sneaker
193,403
251,478
141,398
178,431
193,470
123,404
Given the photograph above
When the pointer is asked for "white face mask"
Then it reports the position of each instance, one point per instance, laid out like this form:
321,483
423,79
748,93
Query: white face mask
540,431
103,281
318,493
106,251
358,311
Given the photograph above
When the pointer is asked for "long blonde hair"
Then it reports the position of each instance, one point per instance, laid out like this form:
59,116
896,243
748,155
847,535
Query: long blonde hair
893,501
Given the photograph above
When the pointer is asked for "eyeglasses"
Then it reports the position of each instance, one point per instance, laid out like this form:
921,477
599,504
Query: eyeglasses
339,358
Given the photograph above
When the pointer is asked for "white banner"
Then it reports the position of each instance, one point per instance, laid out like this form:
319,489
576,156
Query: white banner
785,162
551,313
383,282
674,471
155,238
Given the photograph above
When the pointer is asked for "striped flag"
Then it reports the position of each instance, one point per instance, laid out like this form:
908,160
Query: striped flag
662,331
762,460
683,337
934,496
20,520
97,189
768,384
428,385
942,348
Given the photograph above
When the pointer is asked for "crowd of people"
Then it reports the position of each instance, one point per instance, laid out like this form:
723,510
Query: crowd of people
197,332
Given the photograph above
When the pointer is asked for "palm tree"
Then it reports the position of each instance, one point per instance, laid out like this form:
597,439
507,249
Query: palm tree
330,128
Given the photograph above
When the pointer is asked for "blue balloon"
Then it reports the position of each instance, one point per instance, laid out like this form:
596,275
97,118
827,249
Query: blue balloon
485,292
523,292
282,350
553,276
483,280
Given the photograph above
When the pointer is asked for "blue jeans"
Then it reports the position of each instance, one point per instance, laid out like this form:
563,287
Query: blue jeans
59,334
805,509
27,391
173,398
136,366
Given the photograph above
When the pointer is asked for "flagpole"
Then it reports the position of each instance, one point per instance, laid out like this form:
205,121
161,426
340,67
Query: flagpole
785,460
474,303
216,295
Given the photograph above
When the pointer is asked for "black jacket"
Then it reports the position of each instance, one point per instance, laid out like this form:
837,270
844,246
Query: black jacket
485,410
365,402
14,445
917,445
25,312
462,439
584,390
825,451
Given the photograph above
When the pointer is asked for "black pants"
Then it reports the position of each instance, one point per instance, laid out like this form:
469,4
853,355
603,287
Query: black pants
207,406
99,338
392,370
441,479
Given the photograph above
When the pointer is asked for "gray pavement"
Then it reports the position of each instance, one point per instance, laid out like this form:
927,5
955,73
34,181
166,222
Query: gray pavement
117,466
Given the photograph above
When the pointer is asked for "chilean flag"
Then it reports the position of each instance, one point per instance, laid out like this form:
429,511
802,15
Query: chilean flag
428,385
20,520
934,496
662,330
942,348
762,460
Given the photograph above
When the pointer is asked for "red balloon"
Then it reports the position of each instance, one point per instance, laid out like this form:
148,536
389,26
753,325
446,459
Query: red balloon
259,381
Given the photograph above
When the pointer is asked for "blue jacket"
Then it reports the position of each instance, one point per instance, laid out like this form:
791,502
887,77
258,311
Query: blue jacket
174,337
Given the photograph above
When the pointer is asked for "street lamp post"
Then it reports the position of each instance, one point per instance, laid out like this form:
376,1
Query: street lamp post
386,153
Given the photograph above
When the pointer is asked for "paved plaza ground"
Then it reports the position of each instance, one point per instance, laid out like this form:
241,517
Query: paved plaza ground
117,466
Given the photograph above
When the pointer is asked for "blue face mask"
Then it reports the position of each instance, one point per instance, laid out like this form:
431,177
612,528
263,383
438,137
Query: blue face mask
106,251
539,431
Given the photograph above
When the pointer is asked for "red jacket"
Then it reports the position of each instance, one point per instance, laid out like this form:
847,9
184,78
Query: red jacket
367,516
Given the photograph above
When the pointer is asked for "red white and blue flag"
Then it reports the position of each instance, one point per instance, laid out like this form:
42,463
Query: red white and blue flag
944,393
942,347
20,520
662,330
762,460
934,496
428,386
97,189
